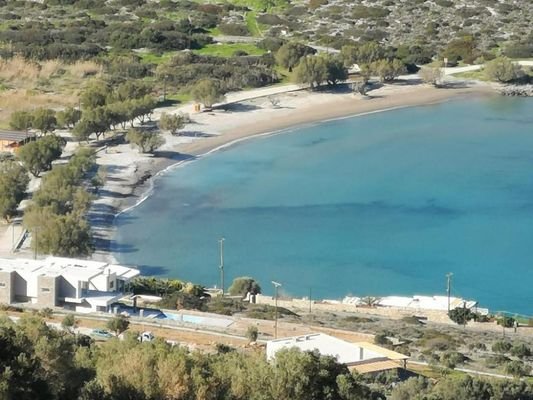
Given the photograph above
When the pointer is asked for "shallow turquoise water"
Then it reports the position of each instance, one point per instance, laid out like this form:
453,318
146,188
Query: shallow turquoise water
380,204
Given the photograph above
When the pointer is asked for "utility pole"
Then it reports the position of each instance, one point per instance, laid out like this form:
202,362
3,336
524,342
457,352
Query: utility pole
221,266
449,287
310,301
276,286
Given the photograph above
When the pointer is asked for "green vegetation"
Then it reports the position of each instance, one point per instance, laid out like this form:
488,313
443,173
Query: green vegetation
118,324
208,92
58,216
40,363
145,141
13,183
501,69
171,122
37,156
243,285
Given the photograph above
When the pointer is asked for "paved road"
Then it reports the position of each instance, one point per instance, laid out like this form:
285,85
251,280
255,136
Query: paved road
458,70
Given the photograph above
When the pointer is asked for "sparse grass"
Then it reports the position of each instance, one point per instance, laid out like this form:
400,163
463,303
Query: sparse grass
474,75
152,58
251,23
229,49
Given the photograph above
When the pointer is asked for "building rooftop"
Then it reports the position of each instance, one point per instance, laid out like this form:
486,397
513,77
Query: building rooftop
15,136
76,268
344,352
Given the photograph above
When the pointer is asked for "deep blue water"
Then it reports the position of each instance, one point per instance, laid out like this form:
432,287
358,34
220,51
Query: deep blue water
381,204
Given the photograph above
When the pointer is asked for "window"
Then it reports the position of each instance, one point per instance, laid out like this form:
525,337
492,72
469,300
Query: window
111,284
2,284
45,289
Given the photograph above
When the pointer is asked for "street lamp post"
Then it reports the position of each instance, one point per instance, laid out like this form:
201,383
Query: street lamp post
221,266
276,286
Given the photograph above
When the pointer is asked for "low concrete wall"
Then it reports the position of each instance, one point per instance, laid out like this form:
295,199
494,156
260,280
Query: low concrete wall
302,305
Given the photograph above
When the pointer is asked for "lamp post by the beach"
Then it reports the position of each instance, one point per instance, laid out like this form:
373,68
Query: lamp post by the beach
448,288
276,286
221,266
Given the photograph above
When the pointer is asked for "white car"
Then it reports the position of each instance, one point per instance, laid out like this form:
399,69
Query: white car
146,337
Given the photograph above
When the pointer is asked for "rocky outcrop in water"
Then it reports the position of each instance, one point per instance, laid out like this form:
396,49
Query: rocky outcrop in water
516,90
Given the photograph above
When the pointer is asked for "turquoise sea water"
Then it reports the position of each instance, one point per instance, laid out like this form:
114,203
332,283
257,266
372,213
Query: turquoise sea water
381,204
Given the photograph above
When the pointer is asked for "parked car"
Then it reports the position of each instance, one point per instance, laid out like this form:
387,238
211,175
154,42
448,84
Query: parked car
101,333
146,337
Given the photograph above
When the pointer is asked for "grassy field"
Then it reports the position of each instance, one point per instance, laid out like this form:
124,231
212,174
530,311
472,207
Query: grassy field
228,49
251,23
151,58
474,75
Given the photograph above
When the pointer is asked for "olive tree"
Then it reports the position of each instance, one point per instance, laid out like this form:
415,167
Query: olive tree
290,54
312,70
146,142
37,156
13,183
207,92
171,122
243,285
503,70
431,75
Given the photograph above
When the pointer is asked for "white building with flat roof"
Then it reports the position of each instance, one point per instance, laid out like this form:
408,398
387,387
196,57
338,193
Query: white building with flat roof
81,285
361,356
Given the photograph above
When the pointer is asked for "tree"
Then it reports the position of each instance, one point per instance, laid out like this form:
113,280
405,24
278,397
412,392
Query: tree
95,94
207,92
503,70
13,183
171,122
68,323
131,89
44,119
37,156
501,346
244,285
336,71
21,120
312,70
68,117
146,142
118,324
387,70
461,315
290,54
431,75
517,368
252,333
369,52
60,235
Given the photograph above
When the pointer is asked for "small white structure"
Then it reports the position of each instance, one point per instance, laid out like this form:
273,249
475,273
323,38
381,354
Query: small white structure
363,357
432,303
82,285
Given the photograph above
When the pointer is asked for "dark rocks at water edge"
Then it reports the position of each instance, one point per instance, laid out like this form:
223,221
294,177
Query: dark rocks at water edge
514,90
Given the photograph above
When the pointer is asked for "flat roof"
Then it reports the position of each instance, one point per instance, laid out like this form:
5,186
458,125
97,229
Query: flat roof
393,355
345,352
82,270
375,366
16,136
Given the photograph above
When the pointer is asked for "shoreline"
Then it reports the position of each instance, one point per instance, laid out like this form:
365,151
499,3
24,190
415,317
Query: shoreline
132,181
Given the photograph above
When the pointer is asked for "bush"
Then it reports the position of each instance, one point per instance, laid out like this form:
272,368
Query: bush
234,29
243,285
517,369
501,346
252,333
146,142
521,350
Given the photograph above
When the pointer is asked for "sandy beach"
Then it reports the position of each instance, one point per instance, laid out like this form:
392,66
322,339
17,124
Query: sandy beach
130,174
